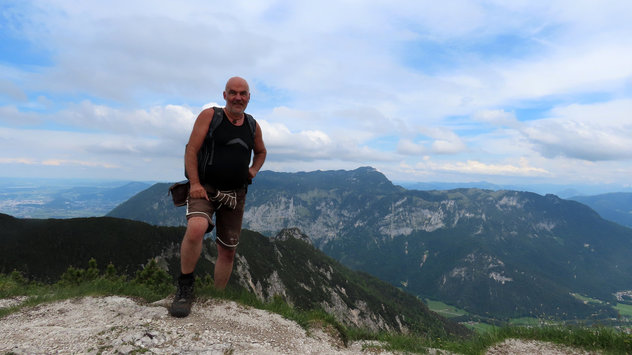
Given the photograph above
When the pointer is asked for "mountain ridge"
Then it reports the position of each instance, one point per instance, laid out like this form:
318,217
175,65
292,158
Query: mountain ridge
614,206
498,253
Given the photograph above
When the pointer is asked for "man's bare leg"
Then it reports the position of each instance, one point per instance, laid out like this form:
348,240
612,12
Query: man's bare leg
189,254
223,266
192,244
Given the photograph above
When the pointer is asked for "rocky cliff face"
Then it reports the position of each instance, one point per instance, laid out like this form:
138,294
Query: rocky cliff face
288,266
329,217
506,253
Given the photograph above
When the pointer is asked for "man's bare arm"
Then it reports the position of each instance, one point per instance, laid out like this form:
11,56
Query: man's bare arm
198,134
260,153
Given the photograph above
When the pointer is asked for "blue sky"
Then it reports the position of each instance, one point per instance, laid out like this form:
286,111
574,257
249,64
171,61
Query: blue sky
454,91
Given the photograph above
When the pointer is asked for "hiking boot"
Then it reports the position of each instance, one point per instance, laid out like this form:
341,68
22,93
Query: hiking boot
181,306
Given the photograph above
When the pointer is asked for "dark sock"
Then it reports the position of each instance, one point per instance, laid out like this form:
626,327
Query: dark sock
186,277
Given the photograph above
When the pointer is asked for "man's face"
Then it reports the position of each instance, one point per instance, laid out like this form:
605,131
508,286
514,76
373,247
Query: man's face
237,95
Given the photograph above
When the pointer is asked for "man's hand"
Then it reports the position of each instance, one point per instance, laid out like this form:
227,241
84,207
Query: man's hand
198,191
252,172
226,198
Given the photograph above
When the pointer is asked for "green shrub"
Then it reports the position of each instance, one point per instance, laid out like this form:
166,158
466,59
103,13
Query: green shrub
155,278
92,273
110,274
72,276
12,284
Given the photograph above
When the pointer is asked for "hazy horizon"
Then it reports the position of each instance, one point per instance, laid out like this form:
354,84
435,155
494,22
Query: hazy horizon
562,190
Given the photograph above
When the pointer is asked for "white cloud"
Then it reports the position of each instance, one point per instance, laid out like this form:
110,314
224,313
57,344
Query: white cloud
446,141
12,115
590,68
442,146
25,161
11,91
408,147
168,122
521,168
589,132
62,162
130,156
311,145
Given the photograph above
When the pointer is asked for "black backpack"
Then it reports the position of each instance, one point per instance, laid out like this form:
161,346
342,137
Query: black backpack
205,155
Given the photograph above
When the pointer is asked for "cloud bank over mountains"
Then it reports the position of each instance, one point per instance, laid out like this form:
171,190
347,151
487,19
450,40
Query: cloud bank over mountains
457,91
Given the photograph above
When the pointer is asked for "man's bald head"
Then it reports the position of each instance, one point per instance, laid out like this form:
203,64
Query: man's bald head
236,80
237,95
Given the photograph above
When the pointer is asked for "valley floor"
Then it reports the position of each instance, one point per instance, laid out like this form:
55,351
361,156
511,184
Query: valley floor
532,347
121,325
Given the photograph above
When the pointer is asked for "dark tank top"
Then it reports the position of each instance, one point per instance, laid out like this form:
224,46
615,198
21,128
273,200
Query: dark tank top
231,156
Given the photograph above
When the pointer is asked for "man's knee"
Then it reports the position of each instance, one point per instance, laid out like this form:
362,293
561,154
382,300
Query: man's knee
196,228
225,253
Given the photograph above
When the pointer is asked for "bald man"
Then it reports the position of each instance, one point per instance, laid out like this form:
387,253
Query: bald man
218,187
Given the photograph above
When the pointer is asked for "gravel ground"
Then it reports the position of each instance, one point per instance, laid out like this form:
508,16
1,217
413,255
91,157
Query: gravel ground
115,325
120,325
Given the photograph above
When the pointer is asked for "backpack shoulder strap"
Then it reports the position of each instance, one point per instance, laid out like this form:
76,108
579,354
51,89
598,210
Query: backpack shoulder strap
205,154
252,123
218,116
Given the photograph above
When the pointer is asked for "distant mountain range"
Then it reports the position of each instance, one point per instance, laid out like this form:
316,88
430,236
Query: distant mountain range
615,207
287,266
563,191
153,205
493,253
